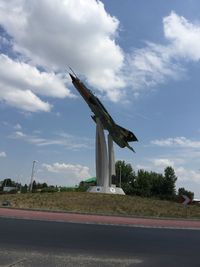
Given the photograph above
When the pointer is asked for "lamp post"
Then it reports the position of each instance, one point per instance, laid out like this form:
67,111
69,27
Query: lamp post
120,176
32,175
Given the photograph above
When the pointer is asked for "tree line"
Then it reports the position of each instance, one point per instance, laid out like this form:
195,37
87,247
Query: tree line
141,183
15,187
147,183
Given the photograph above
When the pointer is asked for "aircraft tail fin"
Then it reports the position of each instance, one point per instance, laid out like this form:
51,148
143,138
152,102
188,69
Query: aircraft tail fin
129,136
130,148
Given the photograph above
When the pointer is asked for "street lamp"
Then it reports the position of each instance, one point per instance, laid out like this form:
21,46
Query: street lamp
32,175
120,175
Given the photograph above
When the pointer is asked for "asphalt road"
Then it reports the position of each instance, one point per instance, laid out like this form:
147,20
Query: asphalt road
41,243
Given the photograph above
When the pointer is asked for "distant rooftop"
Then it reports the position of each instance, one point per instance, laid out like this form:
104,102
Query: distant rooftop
90,180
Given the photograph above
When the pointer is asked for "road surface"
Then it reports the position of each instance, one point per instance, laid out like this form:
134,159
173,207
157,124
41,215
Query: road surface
47,243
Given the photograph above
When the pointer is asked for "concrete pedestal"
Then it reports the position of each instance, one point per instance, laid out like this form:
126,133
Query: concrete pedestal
106,190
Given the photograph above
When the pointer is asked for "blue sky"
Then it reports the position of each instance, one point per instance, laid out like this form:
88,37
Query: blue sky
141,58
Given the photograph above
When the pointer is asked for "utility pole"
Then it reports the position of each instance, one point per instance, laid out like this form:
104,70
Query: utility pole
120,175
32,176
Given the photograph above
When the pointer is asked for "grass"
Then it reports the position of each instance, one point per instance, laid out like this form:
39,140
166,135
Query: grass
102,204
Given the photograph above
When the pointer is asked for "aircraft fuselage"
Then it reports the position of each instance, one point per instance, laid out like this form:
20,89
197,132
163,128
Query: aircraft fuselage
120,135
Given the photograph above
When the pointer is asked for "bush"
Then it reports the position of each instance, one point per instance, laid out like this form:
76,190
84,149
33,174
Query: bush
67,189
49,190
183,191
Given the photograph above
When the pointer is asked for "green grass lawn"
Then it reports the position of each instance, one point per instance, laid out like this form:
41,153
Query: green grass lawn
101,204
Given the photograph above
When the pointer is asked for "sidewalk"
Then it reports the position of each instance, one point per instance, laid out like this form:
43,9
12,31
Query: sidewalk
99,219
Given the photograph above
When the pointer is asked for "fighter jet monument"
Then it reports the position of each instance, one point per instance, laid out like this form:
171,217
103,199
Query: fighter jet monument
105,158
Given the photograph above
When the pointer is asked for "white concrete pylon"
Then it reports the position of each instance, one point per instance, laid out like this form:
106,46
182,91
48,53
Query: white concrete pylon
101,156
111,156
105,164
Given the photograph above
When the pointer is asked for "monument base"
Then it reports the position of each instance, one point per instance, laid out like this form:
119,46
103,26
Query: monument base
106,190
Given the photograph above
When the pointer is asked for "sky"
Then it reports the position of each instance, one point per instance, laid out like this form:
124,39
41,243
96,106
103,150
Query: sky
141,58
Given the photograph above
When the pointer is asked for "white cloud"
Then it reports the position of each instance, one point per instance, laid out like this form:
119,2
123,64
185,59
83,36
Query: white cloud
61,33
17,127
177,142
25,100
143,167
65,140
20,82
156,63
163,162
183,159
27,77
150,66
4,41
188,175
185,175
19,134
184,36
81,34
76,170
3,154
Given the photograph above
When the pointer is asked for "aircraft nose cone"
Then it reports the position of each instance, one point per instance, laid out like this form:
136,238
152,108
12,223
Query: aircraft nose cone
72,77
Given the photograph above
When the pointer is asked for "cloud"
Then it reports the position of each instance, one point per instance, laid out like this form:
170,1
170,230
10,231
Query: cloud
156,63
24,76
17,127
65,140
25,100
18,135
177,142
4,42
188,175
158,164
184,36
186,154
71,170
81,34
150,66
3,154
20,83
163,162
59,33
183,173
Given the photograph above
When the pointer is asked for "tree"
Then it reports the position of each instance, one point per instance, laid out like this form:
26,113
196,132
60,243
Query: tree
142,184
183,191
124,175
8,182
156,184
169,187
34,186
124,171
44,185
24,188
